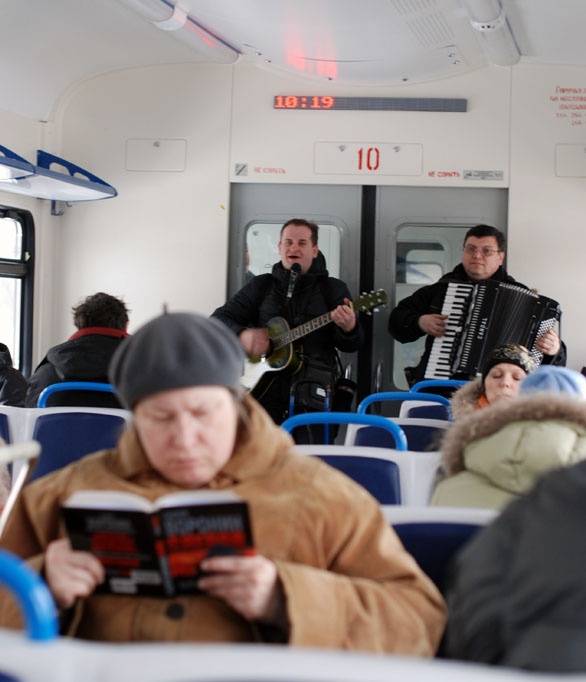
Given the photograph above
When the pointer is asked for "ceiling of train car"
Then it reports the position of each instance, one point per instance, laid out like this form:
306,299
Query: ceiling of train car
48,46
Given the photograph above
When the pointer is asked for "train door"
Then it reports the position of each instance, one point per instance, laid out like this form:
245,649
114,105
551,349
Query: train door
257,213
419,234
394,238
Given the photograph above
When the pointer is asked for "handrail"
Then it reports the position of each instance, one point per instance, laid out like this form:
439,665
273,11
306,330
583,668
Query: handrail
400,395
348,418
40,612
73,386
438,383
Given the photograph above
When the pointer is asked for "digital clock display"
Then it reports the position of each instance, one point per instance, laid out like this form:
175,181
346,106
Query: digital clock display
303,102
322,102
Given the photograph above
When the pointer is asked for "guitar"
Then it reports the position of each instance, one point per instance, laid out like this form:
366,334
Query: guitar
259,373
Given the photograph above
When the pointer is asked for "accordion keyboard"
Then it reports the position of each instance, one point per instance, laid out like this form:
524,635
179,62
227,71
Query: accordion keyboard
439,364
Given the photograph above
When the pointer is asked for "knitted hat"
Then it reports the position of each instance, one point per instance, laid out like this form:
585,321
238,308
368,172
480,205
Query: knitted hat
176,350
512,354
555,380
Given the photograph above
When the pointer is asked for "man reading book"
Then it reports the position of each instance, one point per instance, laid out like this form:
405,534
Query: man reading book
327,569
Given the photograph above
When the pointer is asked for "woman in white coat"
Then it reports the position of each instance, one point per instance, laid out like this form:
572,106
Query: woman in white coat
496,454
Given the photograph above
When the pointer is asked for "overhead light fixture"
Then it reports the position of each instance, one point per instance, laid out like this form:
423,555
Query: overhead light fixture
488,18
174,17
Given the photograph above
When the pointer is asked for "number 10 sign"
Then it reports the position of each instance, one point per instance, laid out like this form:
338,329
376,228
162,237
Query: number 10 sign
368,158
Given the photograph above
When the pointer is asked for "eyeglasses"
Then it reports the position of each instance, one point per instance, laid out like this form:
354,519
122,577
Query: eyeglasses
484,251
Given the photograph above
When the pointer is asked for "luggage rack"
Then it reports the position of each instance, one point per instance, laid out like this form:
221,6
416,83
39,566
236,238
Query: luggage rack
52,178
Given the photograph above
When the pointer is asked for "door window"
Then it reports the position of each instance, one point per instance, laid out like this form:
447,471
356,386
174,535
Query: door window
262,239
424,254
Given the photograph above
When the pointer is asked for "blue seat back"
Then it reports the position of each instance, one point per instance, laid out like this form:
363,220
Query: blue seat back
380,477
4,428
419,438
433,545
429,412
68,436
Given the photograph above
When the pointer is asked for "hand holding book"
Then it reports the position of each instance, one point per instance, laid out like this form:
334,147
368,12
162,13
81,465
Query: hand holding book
70,574
250,585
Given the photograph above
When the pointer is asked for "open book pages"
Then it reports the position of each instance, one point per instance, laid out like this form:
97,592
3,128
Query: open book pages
119,499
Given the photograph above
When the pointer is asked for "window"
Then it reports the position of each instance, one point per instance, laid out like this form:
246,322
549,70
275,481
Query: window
262,240
16,284
419,262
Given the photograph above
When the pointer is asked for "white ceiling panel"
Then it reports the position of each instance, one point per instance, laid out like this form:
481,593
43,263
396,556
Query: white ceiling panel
47,46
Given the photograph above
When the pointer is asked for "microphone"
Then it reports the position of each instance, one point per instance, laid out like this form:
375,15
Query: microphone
293,275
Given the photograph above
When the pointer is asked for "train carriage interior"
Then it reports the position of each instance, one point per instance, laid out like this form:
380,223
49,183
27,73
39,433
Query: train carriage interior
153,149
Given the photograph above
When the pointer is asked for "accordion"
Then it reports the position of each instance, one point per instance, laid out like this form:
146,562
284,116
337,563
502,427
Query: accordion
483,316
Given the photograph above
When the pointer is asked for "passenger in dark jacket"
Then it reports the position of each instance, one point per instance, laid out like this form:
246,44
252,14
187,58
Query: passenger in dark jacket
12,384
420,313
518,593
101,321
313,293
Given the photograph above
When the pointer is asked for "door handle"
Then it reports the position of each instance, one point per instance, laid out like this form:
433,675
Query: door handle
378,377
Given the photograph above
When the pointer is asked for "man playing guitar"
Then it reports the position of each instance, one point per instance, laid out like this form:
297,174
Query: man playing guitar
298,289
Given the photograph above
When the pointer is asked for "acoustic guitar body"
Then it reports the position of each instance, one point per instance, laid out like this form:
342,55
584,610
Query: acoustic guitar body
259,373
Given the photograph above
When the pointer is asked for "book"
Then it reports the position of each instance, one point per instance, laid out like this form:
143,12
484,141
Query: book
155,549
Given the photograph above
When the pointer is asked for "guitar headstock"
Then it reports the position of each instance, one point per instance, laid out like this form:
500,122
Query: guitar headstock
370,301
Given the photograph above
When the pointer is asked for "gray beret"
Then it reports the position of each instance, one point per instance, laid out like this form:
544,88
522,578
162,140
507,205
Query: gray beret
176,350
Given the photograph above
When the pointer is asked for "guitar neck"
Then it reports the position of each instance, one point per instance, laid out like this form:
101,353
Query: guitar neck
300,331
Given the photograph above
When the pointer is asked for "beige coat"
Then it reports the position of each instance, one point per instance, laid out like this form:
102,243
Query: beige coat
497,453
347,580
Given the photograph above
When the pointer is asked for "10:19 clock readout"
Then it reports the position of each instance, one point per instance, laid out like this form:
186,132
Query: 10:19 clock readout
297,102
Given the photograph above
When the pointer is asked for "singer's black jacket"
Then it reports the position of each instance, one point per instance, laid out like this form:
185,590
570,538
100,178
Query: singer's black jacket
314,294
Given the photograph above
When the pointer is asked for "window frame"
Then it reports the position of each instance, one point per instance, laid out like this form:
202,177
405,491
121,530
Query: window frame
24,270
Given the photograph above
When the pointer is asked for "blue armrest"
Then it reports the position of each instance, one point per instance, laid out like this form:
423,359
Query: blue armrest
40,612
73,386
437,383
348,418
400,395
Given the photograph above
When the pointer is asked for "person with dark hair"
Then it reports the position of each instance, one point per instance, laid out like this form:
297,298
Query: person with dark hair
420,314
101,321
328,571
13,385
298,297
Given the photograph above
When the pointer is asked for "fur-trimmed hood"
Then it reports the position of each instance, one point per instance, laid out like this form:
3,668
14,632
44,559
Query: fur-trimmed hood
463,400
512,442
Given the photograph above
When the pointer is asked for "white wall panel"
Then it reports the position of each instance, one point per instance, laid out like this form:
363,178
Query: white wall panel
547,237
279,145
163,239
